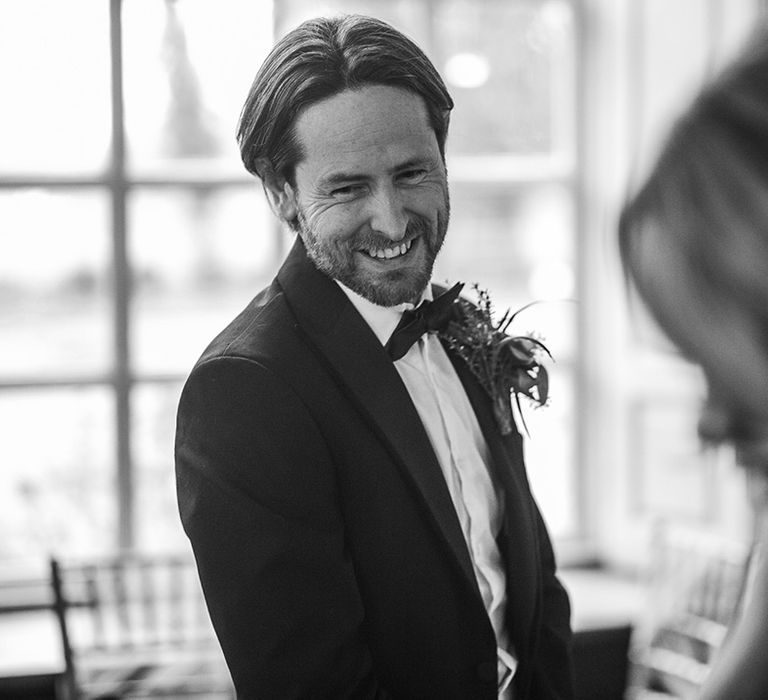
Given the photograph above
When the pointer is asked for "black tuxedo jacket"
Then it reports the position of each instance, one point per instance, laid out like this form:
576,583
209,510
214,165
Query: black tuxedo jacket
328,548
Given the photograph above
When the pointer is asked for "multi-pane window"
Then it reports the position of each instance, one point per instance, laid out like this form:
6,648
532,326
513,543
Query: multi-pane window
131,234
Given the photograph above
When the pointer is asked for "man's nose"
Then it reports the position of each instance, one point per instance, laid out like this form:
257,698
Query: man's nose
388,216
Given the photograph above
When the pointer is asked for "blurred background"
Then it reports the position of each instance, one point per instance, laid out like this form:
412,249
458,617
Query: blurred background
130,234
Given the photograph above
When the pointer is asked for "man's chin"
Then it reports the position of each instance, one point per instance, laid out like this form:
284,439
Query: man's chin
388,292
395,284
377,282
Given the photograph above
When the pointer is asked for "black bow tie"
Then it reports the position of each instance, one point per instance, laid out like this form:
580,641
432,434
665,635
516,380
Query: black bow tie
427,316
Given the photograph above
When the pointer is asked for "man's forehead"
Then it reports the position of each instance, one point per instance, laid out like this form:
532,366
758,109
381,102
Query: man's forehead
369,122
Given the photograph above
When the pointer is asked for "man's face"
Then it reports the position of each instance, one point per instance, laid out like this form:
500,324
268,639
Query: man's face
371,192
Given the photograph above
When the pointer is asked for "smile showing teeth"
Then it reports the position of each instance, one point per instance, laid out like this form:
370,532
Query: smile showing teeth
387,253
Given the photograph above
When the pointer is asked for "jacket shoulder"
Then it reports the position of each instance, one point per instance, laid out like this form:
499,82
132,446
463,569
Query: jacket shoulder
257,332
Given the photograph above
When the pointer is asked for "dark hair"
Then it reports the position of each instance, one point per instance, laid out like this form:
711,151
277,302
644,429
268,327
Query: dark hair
708,189
321,58
706,202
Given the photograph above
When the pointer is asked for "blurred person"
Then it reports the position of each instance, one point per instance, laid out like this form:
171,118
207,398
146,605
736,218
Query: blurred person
363,526
694,240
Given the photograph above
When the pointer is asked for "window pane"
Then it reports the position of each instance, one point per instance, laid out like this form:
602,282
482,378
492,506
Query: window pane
57,480
550,452
158,526
509,66
188,67
515,240
409,16
54,81
55,280
199,256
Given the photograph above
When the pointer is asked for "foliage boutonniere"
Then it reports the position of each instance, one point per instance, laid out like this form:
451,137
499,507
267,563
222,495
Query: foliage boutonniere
506,366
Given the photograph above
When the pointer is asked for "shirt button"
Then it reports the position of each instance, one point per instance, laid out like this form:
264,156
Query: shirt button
486,671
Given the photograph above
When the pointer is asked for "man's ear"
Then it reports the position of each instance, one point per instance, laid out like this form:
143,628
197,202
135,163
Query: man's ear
280,195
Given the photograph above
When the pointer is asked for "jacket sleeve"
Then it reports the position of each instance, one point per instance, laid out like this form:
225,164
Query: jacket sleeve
257,497
552,677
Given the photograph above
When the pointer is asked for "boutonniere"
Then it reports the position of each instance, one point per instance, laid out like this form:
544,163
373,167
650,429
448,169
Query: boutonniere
507,367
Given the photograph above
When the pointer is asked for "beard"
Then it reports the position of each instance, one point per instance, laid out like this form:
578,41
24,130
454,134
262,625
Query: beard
339,259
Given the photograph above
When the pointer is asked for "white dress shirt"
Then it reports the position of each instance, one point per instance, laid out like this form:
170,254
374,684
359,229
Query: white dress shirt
458,442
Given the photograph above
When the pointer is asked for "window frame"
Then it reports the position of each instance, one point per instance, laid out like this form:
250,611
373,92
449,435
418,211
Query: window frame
116,183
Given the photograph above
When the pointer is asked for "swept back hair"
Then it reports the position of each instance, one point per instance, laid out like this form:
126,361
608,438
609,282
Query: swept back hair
321,58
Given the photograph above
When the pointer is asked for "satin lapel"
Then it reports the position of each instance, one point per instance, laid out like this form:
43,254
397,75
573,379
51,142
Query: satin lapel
518,541
364,371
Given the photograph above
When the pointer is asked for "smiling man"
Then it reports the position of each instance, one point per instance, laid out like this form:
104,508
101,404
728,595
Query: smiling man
370,193
362,527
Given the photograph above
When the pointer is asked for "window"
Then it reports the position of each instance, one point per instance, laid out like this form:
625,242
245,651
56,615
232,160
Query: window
131,234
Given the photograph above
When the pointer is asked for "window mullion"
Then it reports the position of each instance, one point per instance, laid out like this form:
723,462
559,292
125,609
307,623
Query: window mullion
122,373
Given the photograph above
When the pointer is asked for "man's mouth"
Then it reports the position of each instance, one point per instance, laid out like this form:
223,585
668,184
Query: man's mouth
389,253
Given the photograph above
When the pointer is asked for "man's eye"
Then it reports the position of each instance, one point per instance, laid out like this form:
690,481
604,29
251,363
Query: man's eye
347,191
413,175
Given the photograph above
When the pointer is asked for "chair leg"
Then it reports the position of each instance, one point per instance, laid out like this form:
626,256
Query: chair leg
67,688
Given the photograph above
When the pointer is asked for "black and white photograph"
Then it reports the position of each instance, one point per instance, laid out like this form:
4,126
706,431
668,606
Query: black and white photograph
383,349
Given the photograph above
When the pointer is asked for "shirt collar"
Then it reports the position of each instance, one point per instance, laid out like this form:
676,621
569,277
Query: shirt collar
382,319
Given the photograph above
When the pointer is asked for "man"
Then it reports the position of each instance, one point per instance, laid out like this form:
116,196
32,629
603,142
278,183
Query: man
362,528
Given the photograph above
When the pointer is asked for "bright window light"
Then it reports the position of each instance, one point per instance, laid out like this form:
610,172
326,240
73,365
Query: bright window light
467,70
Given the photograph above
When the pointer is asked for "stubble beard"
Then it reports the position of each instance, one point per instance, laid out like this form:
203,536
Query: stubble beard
338,259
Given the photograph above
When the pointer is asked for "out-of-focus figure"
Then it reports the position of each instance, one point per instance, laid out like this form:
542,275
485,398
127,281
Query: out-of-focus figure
694,240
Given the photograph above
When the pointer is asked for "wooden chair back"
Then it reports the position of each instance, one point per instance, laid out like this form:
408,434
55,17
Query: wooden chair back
696,590
136,625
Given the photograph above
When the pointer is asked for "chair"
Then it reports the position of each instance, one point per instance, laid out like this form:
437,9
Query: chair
136,626
696,592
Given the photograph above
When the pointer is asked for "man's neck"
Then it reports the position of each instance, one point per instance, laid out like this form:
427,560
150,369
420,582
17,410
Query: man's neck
381,319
